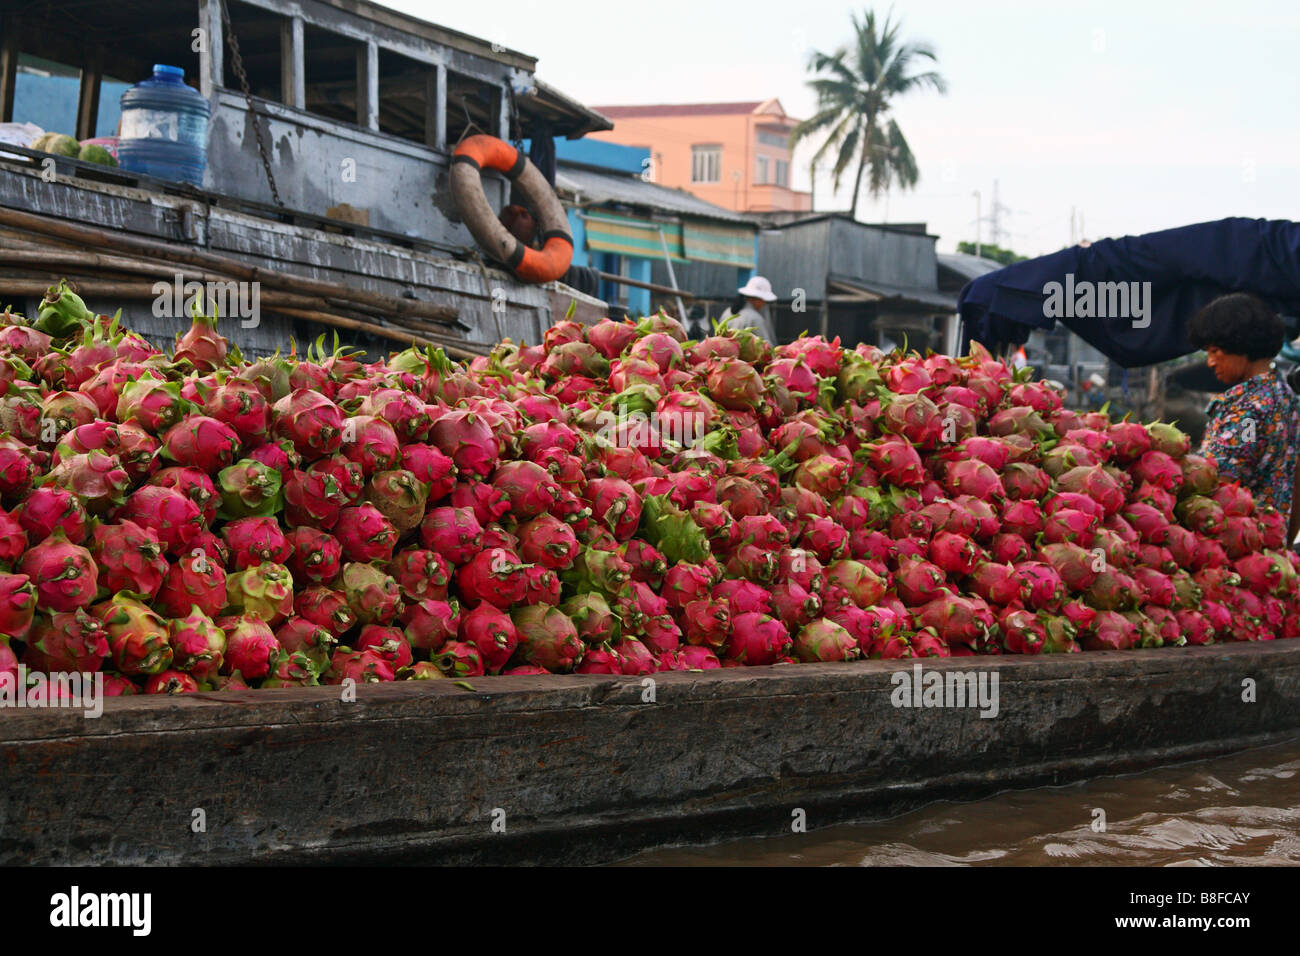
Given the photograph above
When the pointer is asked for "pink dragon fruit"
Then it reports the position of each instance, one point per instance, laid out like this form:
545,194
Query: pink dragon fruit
495,576
468,440
250,645
198,441
367,667
195,580
64,574
167,512
128,558
312,556
330,609
1025,482
757,639
310,421
67,642
973,477
201,345
48,509
365,534
198,645
1022,632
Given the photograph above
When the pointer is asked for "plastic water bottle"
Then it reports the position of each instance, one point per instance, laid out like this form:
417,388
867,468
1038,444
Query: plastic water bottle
164,128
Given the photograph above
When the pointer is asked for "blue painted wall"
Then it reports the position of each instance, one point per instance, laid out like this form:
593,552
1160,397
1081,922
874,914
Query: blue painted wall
51,103
592,152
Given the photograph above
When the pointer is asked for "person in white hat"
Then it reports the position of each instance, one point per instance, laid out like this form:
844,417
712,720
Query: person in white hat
758,293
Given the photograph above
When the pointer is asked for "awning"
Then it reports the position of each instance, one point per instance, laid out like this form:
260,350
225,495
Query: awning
632,236
1174,272
727,245
868,290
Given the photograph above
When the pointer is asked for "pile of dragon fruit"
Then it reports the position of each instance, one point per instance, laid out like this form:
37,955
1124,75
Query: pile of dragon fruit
616,500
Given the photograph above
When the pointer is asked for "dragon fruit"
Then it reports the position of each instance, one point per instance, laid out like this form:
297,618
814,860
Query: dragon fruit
198,441
167,512
263,590
494,576
330,610
18,602
430,623
468,440
198,645
757,639
420,574
195,580
195,485
201,345
69,642
313,557
365,534
250,645
399,496
547,638
48,509
137,637
367,667
388,642
824,640
372,595
310,421
64,574
128,558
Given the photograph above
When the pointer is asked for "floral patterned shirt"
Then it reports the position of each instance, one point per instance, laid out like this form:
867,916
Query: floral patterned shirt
1253,435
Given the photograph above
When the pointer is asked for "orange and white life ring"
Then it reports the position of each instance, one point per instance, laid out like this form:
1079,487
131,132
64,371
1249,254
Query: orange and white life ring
531,265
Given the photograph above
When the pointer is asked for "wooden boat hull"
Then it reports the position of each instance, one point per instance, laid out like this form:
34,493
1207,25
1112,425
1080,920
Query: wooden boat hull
588,768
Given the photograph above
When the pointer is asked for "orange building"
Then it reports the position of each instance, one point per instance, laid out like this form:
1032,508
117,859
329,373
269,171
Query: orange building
735,155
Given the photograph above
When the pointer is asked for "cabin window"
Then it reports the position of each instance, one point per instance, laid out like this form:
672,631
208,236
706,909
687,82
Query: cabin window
471,101
258,32
331,66
407,97
45,93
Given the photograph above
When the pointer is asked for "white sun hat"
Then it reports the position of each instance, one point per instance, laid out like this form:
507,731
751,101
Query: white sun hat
758,288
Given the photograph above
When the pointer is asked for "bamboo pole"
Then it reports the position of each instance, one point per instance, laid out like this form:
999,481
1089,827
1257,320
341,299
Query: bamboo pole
388,332
128,289
295,306
93,237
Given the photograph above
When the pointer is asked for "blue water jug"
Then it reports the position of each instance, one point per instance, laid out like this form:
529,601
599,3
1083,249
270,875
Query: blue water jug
164,129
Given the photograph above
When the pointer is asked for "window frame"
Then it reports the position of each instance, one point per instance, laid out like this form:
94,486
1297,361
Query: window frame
706,158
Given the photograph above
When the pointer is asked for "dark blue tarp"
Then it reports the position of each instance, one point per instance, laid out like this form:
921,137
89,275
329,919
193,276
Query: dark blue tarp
1187,267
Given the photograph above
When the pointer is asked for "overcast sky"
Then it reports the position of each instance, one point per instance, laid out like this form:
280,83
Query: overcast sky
1142,114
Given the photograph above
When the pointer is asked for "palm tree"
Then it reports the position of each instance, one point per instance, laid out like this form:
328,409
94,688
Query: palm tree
855,89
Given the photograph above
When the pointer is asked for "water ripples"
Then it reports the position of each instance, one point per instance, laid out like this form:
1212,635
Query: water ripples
1228,811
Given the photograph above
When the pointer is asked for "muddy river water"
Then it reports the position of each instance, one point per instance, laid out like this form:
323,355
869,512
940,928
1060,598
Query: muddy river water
1237,810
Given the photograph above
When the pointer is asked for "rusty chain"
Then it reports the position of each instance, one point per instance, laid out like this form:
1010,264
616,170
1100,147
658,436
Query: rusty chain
237,64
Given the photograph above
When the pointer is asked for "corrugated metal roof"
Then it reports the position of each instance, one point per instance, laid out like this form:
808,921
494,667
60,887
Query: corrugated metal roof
931,298
966,265
611,187
679,109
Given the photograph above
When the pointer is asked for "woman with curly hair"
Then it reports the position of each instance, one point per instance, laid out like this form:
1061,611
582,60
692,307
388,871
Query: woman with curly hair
1253,433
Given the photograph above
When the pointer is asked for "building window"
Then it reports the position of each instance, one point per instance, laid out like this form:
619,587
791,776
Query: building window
706,164
760,172
782,173
772,139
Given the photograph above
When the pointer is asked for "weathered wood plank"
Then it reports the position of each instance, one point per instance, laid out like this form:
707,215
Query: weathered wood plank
585,768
